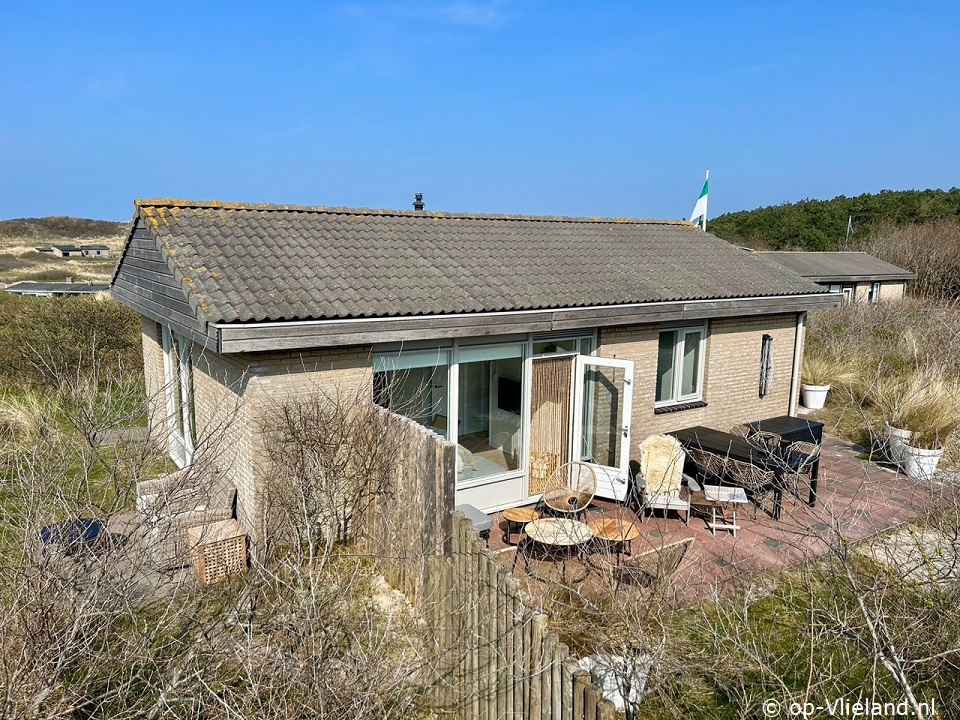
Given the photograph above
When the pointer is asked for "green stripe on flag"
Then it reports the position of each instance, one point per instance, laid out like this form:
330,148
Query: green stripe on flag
704,191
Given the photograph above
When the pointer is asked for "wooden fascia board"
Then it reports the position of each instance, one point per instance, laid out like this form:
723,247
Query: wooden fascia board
261,337
901,277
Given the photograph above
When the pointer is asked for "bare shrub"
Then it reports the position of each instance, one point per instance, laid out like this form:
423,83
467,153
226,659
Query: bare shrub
329,456
931,250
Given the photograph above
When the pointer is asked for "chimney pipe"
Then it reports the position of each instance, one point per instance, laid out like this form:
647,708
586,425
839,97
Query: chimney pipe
418,202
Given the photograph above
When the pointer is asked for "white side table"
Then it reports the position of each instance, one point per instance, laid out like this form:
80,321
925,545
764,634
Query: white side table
719,496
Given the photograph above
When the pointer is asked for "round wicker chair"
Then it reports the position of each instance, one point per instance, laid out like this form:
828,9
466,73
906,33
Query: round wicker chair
570,488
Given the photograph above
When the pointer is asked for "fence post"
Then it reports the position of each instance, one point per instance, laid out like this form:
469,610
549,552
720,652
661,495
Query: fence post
581,680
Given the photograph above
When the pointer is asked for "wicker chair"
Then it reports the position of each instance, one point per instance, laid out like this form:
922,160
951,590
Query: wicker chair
570,488
661,470
651,568
798,459
756,481
768,442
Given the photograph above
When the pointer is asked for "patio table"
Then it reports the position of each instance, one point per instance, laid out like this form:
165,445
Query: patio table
616,532
792,429
558,537
736,448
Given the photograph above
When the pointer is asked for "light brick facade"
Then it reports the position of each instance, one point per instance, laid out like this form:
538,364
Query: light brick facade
731,377
233,393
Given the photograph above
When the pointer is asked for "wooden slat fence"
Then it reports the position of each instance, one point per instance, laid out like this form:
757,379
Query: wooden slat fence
494,656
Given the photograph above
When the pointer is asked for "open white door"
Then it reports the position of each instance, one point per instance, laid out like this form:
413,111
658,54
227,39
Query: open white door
602,402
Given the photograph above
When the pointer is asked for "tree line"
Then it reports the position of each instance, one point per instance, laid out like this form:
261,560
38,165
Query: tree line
822,224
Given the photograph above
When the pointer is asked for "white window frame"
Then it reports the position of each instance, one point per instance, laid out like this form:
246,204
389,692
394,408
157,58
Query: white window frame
874,292
182,444
682,330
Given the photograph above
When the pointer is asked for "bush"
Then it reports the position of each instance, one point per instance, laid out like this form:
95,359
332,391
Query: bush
43,339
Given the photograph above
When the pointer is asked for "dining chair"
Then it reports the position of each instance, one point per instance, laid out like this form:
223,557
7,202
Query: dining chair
798,459
756,481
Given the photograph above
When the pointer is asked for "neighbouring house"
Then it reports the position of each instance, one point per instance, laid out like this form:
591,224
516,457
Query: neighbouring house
66,251
57,289
858,276
96,251
527,341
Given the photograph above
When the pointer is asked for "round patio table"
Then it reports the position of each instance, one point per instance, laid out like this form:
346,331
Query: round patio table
559,532
615,532
558,538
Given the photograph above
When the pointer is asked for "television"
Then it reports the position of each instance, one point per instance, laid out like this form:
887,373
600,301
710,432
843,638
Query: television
509,396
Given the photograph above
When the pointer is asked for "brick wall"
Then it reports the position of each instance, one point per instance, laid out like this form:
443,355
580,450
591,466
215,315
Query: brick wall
153,377
231,395
731,373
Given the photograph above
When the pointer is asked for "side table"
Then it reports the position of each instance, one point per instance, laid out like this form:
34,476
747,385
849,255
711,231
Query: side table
516,519
719,496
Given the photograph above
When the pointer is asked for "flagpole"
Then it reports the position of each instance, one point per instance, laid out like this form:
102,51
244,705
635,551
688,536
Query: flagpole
704,226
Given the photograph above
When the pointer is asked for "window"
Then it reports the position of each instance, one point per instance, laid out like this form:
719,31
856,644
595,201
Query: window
874,295
680,365
178,378
414,384
489,414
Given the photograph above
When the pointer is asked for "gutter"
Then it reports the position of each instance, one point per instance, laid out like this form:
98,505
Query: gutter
797,359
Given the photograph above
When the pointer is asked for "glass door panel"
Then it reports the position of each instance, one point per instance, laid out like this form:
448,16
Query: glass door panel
604,398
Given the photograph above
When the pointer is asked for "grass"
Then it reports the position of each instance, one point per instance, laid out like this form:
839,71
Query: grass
19,260
899,363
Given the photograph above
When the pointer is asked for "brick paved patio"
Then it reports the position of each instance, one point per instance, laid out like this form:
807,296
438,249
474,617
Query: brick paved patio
856,499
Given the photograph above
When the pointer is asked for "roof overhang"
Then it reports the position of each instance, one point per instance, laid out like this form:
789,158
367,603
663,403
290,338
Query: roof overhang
860,277
302,334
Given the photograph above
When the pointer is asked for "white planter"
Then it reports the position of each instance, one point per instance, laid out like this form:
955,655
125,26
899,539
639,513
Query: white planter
897,441
814,396
920,463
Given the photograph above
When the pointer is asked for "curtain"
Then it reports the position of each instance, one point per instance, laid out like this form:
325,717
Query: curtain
549,418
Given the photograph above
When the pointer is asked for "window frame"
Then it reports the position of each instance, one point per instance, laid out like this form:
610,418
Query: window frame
180,406
873,294
681,333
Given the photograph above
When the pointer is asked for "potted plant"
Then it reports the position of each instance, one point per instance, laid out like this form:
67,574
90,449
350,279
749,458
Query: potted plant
818,374
894,396
931,424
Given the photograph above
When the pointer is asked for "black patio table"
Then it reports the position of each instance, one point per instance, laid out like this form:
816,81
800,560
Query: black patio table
734,447
792,429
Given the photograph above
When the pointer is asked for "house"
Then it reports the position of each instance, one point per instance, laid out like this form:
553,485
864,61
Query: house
96,251
859,276
525,340
57,289
67,250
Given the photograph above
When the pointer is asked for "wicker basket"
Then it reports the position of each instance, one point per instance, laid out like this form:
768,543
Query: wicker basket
219,549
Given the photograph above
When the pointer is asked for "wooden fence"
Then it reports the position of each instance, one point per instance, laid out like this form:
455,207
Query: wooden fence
493,655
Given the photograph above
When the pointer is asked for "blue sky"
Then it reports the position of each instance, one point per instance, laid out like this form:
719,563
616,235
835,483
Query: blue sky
498,106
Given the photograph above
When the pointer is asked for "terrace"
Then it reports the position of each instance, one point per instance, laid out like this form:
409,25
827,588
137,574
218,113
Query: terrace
857,499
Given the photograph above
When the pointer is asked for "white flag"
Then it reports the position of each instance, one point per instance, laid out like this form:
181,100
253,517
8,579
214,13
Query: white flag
700,209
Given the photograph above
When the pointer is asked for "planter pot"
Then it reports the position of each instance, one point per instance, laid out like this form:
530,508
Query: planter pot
814,396
897,441
920,463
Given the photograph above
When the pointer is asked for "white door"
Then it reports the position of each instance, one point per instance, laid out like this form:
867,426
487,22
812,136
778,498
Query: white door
603,398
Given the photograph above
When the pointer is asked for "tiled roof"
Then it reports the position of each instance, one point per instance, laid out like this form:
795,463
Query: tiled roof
265,262
72,288
854,265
